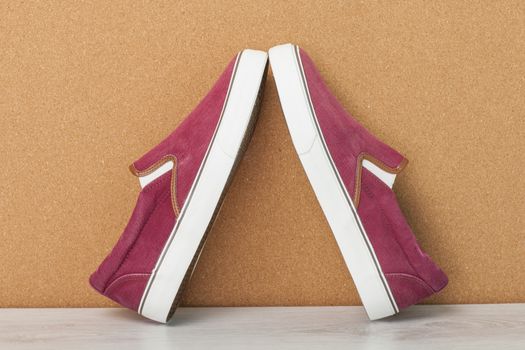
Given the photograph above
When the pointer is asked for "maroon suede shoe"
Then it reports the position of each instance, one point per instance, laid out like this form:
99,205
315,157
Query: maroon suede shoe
183,181
352,174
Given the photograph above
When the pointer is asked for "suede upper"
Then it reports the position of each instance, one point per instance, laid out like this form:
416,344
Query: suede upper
410,273
190,140
346,139
124,273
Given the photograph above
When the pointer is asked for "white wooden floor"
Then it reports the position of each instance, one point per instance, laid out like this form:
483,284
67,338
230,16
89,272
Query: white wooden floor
499,327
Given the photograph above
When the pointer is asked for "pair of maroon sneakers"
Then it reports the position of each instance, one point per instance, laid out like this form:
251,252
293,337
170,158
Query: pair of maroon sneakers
185,177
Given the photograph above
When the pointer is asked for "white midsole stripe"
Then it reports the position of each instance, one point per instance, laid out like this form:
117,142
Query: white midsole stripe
332,195
214,173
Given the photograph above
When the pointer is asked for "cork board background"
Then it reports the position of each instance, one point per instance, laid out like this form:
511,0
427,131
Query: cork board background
87,88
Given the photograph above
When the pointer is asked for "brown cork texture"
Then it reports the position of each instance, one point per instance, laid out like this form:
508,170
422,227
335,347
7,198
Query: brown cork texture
86,88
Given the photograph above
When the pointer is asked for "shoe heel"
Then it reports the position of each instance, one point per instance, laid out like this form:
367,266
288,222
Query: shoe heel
144,208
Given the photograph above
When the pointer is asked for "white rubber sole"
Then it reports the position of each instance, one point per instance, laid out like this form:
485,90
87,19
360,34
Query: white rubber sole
207,189
332,195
